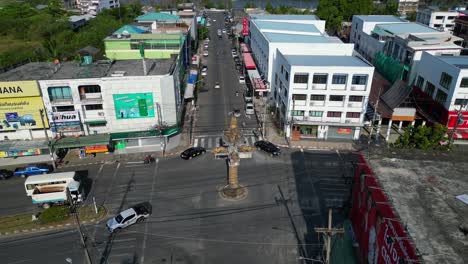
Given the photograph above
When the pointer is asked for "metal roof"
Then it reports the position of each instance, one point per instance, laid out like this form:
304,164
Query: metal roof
129,29
284,17
380,18
286,26
295,38
325,61
406,28
157,17
457,61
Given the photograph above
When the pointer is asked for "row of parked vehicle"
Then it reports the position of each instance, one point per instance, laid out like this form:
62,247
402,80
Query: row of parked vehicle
23,172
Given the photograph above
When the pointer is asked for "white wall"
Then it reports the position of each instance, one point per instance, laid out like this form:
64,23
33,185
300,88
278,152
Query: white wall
429,17
319,24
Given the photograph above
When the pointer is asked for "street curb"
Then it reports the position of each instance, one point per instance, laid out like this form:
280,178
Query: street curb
51,227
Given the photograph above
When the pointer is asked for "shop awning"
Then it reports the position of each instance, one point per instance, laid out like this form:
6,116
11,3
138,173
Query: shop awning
77,142
461,134
134,134
256,81
171,131
95,122
244,48
248,61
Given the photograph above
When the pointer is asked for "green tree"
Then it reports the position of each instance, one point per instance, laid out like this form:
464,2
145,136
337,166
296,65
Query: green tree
423,137
411,16
221,5
55,8
269,8
250,5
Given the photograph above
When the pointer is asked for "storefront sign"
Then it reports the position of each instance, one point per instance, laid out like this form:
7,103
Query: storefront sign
245,26
21,113
344,131
29,152
96,149
63,122
19,89
138,105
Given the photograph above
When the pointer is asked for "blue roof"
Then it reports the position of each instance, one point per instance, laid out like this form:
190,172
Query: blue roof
129,30
381,18
309,28
295,38
408,27
457,61
157,17
325,61
284,17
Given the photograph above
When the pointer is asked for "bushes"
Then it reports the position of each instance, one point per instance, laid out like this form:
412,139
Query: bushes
54,214
423,137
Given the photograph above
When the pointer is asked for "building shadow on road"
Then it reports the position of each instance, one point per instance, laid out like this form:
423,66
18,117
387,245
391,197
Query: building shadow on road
322,182
85,181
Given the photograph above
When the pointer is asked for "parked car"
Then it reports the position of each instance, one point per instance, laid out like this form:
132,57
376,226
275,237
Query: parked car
192,152
224,31
248,96
5,174
33,169
205,46
249,109
268,147
204,71
236,59
238,66
241,79
134,214
205,53
234,53
237,113
217,86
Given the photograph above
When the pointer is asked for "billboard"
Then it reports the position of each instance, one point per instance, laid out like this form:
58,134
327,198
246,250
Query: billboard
19,89
136,105
245,26
63,122
21,113
381,237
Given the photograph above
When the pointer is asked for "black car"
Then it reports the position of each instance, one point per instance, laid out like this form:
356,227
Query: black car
268,147
5,174
192,152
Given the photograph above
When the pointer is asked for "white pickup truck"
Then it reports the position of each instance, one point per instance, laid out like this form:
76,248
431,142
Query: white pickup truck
132,215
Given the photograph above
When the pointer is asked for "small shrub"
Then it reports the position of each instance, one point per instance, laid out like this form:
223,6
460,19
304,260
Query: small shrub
54,214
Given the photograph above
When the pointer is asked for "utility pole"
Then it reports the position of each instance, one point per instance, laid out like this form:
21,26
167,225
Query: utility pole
74,211
329,232
49,144
160,125
457,121
373,117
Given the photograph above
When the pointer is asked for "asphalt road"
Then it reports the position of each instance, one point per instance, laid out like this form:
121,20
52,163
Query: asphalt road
214,105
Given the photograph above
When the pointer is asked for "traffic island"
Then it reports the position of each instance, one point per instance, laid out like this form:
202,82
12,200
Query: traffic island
60,218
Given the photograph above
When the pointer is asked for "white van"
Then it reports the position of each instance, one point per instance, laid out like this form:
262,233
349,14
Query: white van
249,109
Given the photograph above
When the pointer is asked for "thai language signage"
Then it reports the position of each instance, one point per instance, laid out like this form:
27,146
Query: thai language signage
21,113
137,105
381,237
19,89
245,26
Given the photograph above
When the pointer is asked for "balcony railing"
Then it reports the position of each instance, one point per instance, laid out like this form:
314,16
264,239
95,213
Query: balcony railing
66,100
317,103
91,97
355,104
357,87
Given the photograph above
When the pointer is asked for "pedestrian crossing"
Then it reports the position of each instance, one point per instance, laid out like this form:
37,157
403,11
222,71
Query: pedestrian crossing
209,142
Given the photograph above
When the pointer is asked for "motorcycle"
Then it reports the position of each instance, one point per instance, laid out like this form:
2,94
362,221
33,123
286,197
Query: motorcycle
149,159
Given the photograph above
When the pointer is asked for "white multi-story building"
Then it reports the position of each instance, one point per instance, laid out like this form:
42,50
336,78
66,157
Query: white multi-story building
93,7
321,96
433,17
406,6
302,34
445,80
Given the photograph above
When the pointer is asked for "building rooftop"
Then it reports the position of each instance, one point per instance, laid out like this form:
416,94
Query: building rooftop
155,36
325,61
295,38
406,28
381,18
422,187
98,69
129,29
284,17
460,62
286,26
157,17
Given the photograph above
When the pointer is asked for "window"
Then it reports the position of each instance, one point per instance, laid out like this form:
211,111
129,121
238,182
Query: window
297,113
333,114
286,75
462,102
316,113
339,78
276,78
282,68
299,97
320,78
89,89
60,93
359,37
445,80
420,82
437,25
439,17
317,97
301,78
464,83
93,107
359,80
97,125
63,108
441,97
353,114
430,88
449,26
336,98
355,98
285,92
451,17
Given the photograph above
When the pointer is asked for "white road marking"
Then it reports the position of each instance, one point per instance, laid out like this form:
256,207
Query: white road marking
209,142
202,142
124,239
195,143
217,141
134,162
